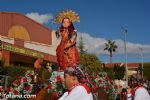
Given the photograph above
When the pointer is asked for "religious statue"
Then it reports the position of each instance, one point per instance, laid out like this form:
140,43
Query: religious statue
67,53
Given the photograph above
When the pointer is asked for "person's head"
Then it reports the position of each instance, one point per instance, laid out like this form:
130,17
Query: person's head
67,24
72,76
136,80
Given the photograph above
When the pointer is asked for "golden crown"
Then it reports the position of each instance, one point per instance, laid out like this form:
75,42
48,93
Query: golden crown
73,16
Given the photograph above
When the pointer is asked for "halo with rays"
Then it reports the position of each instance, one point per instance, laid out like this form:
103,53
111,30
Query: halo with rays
73,16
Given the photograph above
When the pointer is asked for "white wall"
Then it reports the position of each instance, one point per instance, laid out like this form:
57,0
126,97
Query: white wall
49,49
7,39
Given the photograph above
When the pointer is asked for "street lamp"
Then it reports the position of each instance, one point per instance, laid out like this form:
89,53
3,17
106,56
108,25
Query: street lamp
125,31
141,49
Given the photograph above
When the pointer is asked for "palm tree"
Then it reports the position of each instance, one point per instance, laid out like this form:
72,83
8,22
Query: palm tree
110,47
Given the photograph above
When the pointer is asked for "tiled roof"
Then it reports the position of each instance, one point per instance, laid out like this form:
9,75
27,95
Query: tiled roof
130,65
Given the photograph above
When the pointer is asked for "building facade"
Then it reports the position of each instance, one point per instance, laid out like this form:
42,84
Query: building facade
24,41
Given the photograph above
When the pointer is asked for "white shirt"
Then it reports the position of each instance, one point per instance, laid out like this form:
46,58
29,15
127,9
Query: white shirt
78,93
141,94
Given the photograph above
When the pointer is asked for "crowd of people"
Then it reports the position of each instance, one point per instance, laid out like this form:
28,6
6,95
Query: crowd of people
138,89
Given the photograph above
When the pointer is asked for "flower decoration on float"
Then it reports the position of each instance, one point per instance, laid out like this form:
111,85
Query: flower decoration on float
22,85
56,86
102,80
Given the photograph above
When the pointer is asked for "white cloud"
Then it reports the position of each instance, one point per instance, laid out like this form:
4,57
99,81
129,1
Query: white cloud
96,45
92,44
40,18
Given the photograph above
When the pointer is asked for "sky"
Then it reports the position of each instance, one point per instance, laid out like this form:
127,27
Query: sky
100,20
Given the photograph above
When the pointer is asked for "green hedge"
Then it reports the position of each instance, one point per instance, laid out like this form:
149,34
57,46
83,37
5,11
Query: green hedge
110,72
146,71
14,71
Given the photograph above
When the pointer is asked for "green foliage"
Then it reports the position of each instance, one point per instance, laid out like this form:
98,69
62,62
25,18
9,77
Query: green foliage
102,80
91,63
2,70
109,72
115,72
15,71
81,46
119,72
111,47
146,69
2,63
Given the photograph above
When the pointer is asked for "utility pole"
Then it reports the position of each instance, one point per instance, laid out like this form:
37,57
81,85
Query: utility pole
125,31
141,52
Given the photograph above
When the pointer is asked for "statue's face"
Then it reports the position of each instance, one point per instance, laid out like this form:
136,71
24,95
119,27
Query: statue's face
66,23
